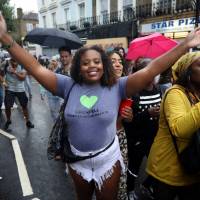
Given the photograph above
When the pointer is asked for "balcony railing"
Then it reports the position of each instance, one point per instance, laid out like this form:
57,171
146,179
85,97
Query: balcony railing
140,12
185,5
104,19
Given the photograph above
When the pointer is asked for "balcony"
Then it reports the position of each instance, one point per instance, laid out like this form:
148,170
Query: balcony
84,23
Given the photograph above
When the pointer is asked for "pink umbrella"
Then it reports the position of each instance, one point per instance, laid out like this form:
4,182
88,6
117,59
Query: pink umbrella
150,46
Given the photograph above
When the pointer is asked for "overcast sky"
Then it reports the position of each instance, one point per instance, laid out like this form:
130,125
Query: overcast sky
26,5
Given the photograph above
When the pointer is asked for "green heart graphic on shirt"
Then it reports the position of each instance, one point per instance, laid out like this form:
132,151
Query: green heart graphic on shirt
88,102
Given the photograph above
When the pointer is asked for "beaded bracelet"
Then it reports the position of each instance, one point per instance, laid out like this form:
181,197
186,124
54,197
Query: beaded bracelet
8,46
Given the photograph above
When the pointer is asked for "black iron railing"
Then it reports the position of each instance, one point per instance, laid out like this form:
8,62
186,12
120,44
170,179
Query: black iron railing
103,19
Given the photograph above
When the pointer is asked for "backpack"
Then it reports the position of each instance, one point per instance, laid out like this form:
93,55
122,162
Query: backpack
6,67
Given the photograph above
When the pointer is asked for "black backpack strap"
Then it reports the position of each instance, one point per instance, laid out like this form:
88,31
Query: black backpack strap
6,67
173,137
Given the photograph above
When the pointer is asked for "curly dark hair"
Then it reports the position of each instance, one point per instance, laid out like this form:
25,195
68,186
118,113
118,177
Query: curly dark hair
120,48
125,67
108,78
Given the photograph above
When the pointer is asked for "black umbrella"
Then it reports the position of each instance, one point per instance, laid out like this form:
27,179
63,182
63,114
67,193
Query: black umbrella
54,38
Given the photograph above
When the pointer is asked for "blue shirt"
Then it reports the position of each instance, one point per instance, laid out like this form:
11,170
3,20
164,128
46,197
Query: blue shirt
91,112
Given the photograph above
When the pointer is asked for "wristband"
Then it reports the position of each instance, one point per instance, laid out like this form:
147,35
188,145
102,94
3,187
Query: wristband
8,46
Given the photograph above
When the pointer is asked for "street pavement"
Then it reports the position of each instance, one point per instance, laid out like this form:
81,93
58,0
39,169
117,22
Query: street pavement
26,171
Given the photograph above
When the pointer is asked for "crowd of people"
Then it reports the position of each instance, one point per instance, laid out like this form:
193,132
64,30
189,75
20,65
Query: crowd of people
117,104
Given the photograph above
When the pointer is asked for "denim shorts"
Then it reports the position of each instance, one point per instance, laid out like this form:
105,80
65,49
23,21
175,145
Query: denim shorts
98,168
10,98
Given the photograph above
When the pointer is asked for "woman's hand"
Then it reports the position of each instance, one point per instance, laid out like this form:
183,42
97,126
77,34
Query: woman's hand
154,111
127,114
3,27
193,38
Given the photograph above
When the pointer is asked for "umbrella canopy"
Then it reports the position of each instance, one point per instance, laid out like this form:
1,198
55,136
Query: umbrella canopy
150,46
54,38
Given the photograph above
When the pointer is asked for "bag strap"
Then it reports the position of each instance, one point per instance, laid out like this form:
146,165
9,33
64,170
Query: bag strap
62,108
173,137
96,154
5,70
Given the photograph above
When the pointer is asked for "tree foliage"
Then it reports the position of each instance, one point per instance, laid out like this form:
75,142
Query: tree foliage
8,13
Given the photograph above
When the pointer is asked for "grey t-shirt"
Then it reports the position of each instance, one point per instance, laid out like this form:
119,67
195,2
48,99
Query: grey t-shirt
14,84
91,112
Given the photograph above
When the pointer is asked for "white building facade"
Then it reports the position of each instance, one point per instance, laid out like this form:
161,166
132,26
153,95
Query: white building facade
55,12
114,20
75,15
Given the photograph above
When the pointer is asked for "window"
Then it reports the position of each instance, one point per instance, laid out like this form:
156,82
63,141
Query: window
104,5
54,19
105,16
104,11
82,10
185,4
67,14
44,21
43,2
143,2
127,3
29,27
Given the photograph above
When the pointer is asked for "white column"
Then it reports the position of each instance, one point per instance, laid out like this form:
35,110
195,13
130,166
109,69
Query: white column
154,6
120,5
173,5
74,9
120,8
108,6
134,3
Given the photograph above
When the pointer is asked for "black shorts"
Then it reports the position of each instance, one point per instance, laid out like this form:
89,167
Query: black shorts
10,99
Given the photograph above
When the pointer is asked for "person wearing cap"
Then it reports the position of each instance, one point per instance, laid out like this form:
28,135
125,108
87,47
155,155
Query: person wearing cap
163,165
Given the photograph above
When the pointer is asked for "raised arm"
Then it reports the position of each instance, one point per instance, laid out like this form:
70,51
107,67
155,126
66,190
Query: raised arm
142,78
44,76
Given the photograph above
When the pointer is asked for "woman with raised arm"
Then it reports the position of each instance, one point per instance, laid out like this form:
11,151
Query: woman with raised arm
92,107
